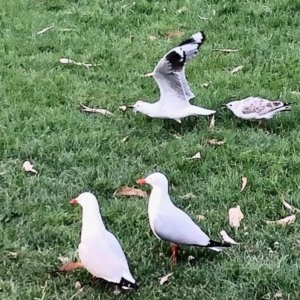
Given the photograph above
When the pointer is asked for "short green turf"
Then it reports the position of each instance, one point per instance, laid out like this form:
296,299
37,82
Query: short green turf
76,152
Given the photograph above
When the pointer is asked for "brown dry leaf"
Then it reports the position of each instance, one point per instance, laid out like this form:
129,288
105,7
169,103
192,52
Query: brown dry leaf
225,50
244,183
212,122
227,238
152,37
182,9
235,216
125,138
188,196
12,254
285,221
295,93
235,70
214,142
123,107
101,111
196,156
290,207
128,191
164,279
28,167
174,34
200,217
278,295
45,30
205,84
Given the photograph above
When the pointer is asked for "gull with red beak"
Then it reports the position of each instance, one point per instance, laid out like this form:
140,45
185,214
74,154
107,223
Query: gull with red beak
171,224
99,251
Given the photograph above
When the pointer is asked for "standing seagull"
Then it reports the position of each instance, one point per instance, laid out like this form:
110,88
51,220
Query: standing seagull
169,223
175,92
256,108
99,250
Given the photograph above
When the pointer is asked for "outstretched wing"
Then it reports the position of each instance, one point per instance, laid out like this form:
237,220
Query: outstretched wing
169,72
260,106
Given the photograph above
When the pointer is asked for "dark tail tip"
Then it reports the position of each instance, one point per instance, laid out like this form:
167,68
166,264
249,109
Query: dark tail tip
218,244
127,284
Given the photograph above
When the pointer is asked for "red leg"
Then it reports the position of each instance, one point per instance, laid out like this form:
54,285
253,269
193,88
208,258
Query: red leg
175,249
70,266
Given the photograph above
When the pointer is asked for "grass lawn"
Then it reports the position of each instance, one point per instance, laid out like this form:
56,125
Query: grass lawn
76,152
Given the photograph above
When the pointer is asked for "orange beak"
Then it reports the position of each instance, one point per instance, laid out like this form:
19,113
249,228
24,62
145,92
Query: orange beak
141,181
73,201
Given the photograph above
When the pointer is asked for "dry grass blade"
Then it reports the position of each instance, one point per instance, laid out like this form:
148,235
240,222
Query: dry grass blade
101,111
174,34
237,69
227,238
196,156
244,183
129,191
214,142
188,196
235,216
124,139
212,122
28,167
70,61
290,207
12,254
45,30
204,18
285,221
164,279
200,217
225,50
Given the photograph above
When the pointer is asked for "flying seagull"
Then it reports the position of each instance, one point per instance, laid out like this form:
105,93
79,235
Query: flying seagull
175,91
256,108
171,224
99,251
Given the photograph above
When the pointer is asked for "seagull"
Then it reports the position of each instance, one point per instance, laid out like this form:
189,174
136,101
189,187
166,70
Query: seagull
256,108
175,92
171,224
99,251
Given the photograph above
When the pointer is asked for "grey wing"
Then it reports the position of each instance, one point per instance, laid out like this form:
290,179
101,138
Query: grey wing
260,106
189,94
177,227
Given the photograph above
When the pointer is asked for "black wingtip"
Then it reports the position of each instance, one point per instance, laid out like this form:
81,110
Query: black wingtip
218,244
176,60
127,284
192,40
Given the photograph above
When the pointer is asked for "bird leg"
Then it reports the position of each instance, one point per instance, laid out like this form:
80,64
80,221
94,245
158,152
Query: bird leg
70,266
174,249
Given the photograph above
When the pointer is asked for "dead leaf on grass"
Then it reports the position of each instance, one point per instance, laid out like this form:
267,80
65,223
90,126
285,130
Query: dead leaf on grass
278,295
196,156
214,142
212,122
164,279
174,34
45,30
130,192
64,259
225,50
28,167
12,254
285,221
188,196
123,107
290,207
227,238
235,216
235,70
73,62
204,84
101,111
200,217
77,285
244,183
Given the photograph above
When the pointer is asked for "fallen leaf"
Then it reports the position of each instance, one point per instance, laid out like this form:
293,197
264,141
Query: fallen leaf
174,34
123,107
290,207
205,84
190,258
227,238
244,183
128,191
64,259
196,156
212,122
28,167
45,30
125,138
278,295
95,110
164,279
235,70
181,10
235,216
295,93
77,285
225,50
188,196
12,254
200,217
215,142
73,62
152,37
285,221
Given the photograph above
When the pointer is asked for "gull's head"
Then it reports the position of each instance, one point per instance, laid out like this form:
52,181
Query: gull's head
86,200
141,107
232,105
155,180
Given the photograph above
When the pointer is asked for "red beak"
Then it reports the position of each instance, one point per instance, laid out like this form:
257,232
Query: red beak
73,201
141,181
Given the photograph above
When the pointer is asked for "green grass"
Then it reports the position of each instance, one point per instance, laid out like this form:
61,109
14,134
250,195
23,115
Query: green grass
75,152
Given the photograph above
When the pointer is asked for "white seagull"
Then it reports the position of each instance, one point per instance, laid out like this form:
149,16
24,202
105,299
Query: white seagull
171,224
99,250
256,108
175,91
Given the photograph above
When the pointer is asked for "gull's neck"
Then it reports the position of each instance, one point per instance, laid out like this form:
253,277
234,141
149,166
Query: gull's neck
159,198
92,224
